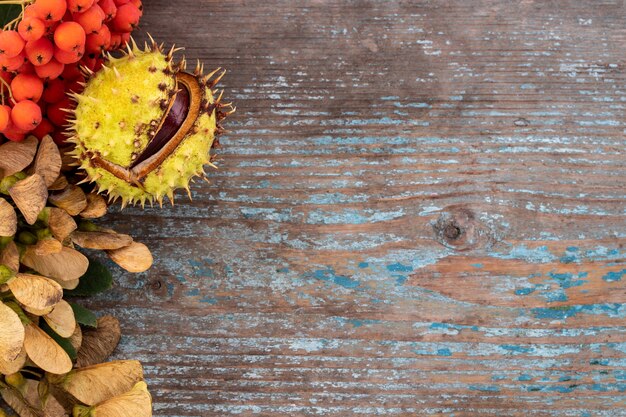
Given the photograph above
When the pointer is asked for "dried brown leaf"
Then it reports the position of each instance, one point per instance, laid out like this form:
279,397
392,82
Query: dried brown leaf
94,384
10,256
135,257
45,352
48,160
60,184
48,246
61,319
17,402
99,344
76,339
61,224
96,207
67,265
134,403
101,240
36,293
8,218
29,195
11,334
11,367
72,199
17,155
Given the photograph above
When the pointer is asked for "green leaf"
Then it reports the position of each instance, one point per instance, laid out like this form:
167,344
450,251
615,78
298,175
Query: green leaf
97,279
84,316
8,12
61,341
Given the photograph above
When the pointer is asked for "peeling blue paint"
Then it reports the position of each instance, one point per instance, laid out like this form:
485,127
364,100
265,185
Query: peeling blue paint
524,291
398,267
485,388
329,275
614,276
561,313
517,348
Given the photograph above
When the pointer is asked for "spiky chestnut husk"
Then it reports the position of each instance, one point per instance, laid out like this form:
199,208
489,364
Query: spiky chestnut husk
143,127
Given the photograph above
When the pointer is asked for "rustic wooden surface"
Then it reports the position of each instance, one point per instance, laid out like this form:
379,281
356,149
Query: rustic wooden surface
420,211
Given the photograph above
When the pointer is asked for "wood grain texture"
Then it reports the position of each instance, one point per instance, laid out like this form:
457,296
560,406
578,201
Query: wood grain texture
420,211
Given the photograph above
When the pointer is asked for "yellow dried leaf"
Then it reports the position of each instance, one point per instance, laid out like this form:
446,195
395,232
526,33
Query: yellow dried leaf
36,293
61,319
96,207
10,256
76,339
72,199
135,257
60,184
8,218
29,195
69,285
99,344
60,223
98,383
17,155
67,265
11,334
13,366
101,240
48,160
16,401
32,395
134,403
48,246
45,352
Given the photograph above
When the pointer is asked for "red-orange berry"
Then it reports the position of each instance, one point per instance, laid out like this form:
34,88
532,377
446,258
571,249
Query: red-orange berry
26,115
12,64
5,117
127,18
27,87
50,10
13,133
116,41
79,6
109,8
139,6
71,73
7,77
98,42
26,68
68,57
91,20
69,36
51,70
57,112
39,52
118,3
29,11
44,128
54,91
11,44
31,28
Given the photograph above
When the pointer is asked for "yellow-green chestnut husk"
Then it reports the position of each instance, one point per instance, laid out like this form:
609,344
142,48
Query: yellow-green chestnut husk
144,127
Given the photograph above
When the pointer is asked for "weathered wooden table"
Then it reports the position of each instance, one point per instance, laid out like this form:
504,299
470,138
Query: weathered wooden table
420,211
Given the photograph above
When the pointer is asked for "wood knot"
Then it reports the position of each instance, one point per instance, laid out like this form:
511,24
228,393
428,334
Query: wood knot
458,228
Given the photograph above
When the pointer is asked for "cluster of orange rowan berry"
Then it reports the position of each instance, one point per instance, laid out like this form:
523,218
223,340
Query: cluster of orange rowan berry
41,59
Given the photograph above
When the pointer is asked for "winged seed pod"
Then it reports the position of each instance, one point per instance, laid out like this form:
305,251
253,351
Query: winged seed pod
159,132
43,224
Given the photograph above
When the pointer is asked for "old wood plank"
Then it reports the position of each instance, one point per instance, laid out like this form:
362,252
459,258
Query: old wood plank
420,210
